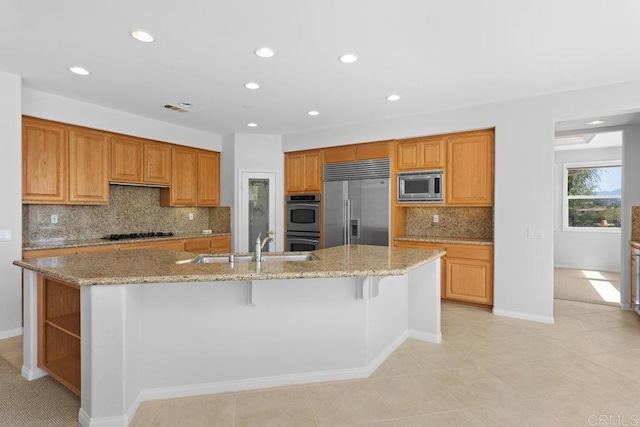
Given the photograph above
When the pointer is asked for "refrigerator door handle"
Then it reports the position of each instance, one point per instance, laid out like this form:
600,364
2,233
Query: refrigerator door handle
347,221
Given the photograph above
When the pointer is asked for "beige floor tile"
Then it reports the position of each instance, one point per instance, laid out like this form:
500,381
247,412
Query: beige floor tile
574,343
411,395
564,323
145,414
617,338
398,363
429,360
605,319
624,362
348,403
521,414
214,411
534,379
460,418
585,373
514,349
279,407
475,387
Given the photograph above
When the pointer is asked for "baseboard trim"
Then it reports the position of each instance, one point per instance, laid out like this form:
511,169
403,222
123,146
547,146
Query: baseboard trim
523,316
424,336
592,268
274,381
10,333
33,374
86,421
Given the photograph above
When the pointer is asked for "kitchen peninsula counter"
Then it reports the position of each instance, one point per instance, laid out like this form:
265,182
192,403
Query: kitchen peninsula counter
148,326
445,240
160,266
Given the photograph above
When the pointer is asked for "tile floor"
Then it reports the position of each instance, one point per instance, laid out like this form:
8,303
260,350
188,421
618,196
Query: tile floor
489,371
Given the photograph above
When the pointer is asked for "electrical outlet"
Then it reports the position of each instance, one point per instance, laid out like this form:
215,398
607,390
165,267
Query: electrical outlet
54,219
535,233
190,217
436,218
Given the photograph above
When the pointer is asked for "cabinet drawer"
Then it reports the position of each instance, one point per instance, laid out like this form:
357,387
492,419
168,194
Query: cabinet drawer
200,246
470,252
221,244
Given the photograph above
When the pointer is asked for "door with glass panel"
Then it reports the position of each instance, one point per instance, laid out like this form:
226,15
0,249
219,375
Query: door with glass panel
257,209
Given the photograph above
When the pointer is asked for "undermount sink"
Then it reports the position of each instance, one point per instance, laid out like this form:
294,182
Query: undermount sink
212,259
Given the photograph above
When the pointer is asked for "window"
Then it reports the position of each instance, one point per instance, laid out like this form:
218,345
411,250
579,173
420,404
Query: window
592,196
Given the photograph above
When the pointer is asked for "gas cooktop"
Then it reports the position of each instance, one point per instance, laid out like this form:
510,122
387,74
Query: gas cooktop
137,235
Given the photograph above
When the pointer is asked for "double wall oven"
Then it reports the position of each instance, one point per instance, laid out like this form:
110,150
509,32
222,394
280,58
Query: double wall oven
303,222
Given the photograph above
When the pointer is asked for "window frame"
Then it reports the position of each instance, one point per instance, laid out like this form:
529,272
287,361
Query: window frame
565,195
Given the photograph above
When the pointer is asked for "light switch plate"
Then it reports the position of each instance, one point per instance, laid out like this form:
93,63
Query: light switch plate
535,233
5,235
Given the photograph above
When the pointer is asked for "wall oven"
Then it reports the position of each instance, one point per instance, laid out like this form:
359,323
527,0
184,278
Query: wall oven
303,222
303,213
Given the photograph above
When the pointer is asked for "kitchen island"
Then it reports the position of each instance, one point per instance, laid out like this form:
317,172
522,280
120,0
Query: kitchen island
153,325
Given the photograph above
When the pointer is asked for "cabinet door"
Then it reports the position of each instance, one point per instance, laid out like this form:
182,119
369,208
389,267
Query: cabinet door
208,178
346,153
633,277
469,173
220,244
372,150
408,155
88,167
126,159
197,246
184,179
312,172
293,170
44,162
468,280
432,156
157,163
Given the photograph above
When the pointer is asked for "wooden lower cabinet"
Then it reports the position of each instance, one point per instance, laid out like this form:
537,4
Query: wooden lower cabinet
59,332
169,245
466,271
220,244
208,245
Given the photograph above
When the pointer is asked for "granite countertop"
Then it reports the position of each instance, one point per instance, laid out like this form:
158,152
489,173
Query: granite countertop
458,240
61,244
160,266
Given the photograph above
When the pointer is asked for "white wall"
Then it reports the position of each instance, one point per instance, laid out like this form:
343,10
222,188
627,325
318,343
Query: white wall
523,268
630,197
583,249
66,110
11,207
258,153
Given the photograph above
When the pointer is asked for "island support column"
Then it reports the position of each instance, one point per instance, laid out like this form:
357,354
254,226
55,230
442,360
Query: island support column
110,323
424,303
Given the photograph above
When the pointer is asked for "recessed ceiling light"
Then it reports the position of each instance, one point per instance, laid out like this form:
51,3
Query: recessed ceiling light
349,58
313,113
595,122
264,52
142,35
79,70
185,105
252,85
393,97
252,125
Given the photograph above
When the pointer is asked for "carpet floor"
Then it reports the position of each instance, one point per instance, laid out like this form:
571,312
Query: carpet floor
39,403
594,287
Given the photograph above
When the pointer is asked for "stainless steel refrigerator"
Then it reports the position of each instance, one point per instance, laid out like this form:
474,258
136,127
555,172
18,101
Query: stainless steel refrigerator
356,203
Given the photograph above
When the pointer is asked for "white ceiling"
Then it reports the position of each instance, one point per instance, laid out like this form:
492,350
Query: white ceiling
436,55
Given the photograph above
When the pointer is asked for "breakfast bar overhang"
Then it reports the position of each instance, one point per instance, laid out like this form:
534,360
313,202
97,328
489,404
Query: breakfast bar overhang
154,326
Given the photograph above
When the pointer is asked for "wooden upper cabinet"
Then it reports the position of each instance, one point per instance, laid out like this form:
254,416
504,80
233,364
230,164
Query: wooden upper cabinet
88,167
208,178
44,162
469,171
195,178
184,178
156,163
355,152
126,159
420,153
303,172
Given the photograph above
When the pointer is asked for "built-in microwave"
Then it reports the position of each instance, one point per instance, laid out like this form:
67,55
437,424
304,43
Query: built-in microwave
420,186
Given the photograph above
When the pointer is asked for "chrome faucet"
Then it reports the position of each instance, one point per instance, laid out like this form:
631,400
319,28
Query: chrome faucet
260,245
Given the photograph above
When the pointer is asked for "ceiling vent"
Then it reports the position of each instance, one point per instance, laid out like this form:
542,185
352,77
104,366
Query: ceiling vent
179,109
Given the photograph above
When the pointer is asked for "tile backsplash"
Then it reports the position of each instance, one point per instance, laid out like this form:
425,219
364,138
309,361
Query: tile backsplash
473,223
635,223
131,209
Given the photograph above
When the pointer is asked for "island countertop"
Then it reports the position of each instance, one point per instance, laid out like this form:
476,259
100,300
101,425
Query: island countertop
160,266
